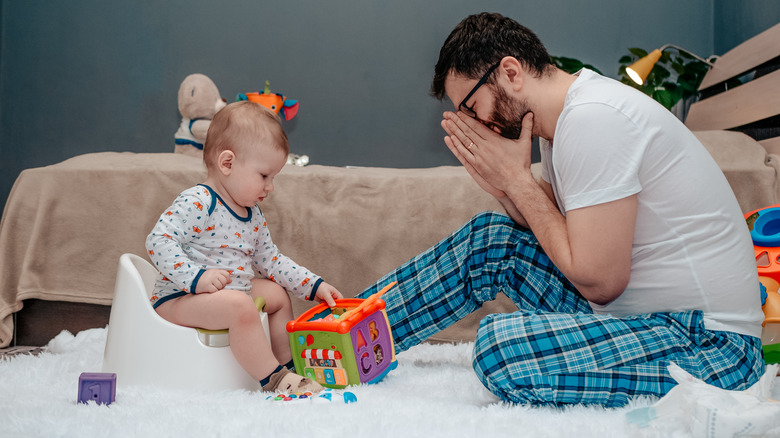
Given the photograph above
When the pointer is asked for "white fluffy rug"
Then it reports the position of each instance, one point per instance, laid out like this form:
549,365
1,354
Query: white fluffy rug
432,393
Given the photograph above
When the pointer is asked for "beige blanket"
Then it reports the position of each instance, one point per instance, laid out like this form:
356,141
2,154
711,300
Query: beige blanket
66,225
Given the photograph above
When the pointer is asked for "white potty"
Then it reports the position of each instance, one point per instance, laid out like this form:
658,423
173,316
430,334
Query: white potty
142,348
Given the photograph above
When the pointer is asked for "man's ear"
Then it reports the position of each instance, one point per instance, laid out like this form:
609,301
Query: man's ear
225,162
512,71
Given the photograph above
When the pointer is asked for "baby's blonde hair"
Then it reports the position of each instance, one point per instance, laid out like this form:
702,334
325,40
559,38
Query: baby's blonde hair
237,123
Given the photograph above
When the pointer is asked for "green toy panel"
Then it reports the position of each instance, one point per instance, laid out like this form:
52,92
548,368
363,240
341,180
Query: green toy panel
772,353
325,357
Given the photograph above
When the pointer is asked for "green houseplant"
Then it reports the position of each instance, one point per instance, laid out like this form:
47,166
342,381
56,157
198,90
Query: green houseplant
571,65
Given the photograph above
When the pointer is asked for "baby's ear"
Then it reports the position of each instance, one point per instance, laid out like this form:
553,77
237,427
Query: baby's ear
225,161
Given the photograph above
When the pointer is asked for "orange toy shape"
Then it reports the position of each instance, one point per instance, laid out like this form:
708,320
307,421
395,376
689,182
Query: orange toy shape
771,307
276,102
764,225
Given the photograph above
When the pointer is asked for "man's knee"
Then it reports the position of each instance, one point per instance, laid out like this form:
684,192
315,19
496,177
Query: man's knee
494,228
489,217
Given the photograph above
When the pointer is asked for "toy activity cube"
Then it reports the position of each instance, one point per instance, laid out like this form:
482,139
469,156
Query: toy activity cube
348,344
764,225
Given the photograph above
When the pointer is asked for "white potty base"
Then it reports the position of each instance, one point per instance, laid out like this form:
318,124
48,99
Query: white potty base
144,349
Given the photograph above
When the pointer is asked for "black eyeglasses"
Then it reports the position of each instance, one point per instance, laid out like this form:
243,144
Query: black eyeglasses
469,110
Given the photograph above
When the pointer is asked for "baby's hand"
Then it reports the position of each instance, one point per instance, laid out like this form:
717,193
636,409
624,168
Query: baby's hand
328,294
212,280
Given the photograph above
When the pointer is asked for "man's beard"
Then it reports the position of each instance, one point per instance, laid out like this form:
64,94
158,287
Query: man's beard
508,114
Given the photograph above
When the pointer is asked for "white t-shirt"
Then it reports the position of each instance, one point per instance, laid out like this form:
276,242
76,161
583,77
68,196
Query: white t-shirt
692,249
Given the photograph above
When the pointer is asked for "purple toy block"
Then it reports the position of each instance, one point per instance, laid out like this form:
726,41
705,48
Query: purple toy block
98,387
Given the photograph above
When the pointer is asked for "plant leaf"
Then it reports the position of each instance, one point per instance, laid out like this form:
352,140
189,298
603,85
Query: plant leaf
678,68
663,97
571,65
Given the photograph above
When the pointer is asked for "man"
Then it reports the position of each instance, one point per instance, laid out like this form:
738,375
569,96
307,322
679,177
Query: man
629,254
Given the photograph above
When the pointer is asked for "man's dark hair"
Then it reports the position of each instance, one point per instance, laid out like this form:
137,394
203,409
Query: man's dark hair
481,40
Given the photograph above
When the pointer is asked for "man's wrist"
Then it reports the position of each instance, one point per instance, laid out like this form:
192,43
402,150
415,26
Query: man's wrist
520,187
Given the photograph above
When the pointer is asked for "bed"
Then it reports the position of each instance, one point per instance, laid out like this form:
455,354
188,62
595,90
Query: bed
65,226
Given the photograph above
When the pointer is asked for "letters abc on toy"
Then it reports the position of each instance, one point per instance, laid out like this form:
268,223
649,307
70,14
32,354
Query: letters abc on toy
764,225
348,344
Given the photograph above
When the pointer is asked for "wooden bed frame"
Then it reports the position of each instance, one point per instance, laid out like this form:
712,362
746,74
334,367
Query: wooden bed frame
742,92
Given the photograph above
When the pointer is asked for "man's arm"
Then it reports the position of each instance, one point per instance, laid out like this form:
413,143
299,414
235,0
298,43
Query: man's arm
514,212
591,246
452,143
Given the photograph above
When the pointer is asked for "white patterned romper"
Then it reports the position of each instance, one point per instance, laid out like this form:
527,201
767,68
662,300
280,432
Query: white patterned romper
200,232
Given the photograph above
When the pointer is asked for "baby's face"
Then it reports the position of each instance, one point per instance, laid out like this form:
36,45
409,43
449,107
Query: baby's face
252,178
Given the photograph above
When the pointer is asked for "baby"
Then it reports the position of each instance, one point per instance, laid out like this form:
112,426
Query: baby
210,243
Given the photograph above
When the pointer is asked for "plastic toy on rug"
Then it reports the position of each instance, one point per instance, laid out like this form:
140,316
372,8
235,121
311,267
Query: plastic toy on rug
348,344
325,396
276,102
764,225
97,387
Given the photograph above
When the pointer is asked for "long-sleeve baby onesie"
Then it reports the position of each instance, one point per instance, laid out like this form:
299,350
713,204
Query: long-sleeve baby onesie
200,232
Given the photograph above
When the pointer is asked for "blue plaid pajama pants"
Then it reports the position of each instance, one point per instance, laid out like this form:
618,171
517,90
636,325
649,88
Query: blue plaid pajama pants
554,350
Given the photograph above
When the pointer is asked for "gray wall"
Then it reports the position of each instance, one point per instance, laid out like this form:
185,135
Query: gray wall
84,76
738,20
